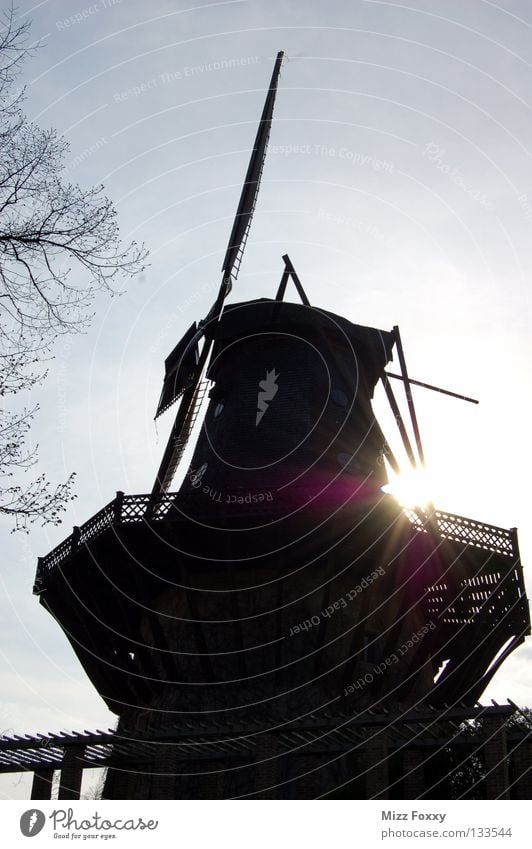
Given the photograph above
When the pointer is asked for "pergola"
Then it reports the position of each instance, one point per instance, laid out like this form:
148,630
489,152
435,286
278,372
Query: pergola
370,742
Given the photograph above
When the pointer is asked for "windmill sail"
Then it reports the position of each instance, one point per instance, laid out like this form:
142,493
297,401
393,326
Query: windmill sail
179,370
193,407
180,378
250,189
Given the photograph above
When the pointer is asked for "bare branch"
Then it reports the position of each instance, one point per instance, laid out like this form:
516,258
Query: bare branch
59,246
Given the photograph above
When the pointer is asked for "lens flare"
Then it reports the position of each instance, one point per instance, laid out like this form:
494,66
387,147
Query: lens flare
410,488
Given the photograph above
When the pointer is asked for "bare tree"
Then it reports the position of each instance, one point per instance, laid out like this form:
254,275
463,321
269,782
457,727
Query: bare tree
50,232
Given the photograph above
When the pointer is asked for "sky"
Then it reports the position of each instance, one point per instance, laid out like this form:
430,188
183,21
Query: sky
398,179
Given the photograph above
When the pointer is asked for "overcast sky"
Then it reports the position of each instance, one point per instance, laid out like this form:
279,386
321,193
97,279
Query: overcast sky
399,181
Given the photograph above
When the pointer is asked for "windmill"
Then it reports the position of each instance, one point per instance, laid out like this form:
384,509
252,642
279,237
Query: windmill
282,580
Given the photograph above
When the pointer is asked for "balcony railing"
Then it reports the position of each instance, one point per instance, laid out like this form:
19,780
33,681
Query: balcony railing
127,509
466,531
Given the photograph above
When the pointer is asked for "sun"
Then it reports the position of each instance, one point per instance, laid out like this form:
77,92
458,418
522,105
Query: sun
411,488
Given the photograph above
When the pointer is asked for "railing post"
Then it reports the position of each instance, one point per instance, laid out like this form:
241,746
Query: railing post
75,538
117,507
38,576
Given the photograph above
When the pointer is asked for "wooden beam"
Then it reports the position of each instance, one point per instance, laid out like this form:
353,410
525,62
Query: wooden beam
297,282
408,391
434,388
399,421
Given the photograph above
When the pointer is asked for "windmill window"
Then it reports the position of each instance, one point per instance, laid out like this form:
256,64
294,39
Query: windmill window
349,463
339,397
370,652
218,409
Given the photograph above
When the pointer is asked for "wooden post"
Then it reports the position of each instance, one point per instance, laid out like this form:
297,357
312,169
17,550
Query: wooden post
413,781
522,770
263,776
117,507
496,758
375,760
38,576
409,398
41,787
71,773
75,538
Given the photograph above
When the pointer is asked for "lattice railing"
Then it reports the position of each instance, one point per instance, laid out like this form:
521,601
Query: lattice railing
95,526
127,509
466,531
58,554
